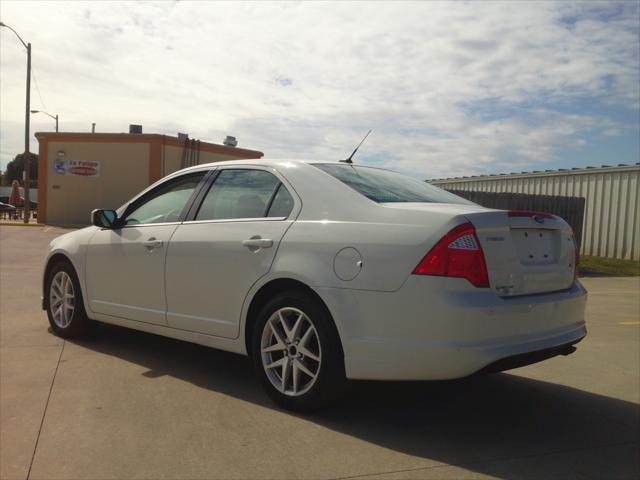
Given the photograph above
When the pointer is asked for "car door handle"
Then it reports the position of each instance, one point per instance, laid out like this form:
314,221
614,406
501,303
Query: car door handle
257,242
153,243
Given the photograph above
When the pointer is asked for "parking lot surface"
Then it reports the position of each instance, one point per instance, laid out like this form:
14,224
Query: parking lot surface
125,404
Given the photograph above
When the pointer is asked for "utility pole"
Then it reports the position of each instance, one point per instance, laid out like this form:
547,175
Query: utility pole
27,155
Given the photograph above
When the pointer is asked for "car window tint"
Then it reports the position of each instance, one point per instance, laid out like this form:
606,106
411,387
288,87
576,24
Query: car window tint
166,203
282,203
240,193
385,186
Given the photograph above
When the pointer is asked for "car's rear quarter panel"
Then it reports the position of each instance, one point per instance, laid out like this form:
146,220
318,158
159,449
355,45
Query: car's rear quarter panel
389,252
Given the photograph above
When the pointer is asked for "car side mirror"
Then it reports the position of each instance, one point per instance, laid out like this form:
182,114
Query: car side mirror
104,218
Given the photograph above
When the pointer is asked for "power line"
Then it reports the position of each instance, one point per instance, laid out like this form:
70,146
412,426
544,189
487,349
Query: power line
35,81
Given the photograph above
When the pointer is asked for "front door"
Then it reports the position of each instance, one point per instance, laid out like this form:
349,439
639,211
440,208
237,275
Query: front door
213,260
125,266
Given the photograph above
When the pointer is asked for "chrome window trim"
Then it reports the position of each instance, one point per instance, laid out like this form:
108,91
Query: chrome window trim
137,225
235,220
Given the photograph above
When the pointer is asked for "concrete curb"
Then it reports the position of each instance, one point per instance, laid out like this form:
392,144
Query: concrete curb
20,224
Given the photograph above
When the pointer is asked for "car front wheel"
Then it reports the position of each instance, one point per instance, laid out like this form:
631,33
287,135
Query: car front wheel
296,352
65,307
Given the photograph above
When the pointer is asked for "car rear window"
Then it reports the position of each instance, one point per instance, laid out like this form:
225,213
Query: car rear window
385,186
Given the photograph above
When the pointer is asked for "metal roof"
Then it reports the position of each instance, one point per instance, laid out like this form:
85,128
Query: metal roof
535,173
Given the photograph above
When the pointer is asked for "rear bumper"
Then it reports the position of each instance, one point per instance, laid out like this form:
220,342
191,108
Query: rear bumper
529,358
434,328
412,361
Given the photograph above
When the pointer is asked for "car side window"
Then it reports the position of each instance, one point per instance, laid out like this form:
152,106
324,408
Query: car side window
165,203
282,203
238,193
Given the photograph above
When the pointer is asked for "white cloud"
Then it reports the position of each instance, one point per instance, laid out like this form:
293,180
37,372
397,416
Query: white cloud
309,79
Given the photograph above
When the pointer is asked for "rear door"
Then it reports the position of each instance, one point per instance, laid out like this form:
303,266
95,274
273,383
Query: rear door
228,242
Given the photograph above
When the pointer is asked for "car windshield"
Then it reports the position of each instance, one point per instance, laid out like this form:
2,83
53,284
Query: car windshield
385,186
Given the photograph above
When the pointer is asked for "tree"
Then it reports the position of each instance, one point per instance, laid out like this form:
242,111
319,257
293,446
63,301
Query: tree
15,168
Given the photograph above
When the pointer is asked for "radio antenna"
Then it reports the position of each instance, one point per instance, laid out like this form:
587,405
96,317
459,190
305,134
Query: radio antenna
348,160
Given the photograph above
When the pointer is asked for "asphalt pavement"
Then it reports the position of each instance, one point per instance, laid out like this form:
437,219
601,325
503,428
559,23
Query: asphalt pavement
125,404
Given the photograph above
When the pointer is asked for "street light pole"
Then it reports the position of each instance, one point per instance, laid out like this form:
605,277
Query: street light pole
54,117
27,155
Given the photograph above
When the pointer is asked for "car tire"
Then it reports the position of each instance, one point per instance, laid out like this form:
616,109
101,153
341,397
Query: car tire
295,332
64,302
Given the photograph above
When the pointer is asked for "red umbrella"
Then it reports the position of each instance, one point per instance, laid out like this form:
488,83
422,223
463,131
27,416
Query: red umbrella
14,197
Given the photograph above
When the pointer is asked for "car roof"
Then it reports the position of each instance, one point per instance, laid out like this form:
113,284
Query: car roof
260,162
266,162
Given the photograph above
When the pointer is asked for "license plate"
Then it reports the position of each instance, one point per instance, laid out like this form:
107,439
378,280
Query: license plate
535,245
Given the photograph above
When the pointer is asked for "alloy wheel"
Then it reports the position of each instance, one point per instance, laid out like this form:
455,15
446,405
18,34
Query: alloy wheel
61,299
291,352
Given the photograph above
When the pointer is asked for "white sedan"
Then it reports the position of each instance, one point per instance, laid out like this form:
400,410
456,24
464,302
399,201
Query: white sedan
323,271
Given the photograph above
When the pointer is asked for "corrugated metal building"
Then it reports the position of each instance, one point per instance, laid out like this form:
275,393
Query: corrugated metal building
612,214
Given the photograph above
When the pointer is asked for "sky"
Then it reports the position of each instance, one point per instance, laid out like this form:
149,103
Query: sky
448,88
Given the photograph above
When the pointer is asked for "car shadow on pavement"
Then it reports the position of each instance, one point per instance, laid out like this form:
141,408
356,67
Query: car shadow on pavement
502,425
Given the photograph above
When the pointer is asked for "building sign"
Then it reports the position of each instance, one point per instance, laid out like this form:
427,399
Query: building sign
79,168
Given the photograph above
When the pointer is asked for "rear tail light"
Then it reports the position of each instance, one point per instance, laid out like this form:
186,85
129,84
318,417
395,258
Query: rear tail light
457,254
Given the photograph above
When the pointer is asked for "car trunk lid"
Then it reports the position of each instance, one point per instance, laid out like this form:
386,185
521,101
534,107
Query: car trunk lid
526,252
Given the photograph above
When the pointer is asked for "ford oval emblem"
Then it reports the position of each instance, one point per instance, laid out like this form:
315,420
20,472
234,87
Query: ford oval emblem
538,218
